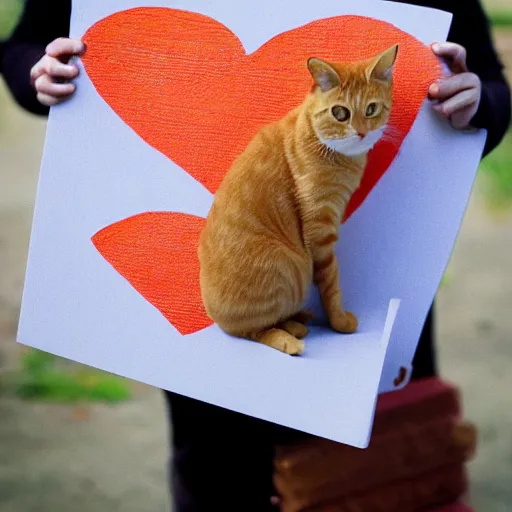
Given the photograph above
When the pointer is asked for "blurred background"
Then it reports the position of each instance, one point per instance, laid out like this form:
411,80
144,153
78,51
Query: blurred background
72,438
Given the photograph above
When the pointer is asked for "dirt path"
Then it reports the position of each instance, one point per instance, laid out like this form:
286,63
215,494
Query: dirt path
475,343
83,460
499,5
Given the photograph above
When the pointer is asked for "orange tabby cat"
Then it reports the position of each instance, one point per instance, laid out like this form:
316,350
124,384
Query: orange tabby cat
273,226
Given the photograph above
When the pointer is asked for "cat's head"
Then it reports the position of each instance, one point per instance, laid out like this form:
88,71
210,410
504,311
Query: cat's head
350,103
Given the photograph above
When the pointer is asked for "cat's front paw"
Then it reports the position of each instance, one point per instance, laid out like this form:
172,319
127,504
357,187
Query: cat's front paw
345,323
294,348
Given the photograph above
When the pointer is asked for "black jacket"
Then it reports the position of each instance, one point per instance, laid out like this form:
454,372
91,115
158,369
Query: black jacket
45,20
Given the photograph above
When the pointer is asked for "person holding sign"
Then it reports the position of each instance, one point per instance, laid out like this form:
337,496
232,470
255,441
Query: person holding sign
222,459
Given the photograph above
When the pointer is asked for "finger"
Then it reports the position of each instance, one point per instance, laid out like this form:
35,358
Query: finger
458,102
448,87
454,54
462,118
55,68
45,85
63,48
48,100
36,71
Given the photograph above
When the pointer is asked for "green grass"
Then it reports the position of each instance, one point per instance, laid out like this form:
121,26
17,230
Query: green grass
495,180
501,18
10,11
446,279
46,377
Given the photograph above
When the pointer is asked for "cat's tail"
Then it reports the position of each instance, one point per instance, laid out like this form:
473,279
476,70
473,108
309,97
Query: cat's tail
156,252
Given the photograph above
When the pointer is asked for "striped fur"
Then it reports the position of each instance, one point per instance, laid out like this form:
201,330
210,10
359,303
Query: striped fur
273,226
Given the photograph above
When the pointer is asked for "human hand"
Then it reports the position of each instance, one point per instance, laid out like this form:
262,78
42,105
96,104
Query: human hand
459,94
51,76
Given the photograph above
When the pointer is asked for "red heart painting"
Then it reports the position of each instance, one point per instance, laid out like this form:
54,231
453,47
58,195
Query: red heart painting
184,83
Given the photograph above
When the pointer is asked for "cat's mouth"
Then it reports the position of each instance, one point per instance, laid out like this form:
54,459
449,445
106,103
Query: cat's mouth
354,145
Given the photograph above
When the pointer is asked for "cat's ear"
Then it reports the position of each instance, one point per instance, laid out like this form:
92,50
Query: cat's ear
381,67
324,75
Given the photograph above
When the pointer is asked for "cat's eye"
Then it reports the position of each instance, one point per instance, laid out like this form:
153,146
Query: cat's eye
372,110
341,114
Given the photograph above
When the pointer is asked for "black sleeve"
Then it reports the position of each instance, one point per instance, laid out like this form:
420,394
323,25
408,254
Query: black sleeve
471,29
42,22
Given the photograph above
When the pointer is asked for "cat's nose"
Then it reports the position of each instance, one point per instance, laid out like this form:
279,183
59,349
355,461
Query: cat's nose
362,135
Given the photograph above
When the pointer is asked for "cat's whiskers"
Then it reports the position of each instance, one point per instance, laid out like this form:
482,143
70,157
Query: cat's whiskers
317,146
327,153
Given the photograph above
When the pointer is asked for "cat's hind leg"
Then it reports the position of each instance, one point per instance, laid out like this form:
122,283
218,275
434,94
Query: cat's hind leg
281,340
303,317
297,329
296,324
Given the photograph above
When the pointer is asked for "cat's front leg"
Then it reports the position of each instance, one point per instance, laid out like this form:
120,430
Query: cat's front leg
326,278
